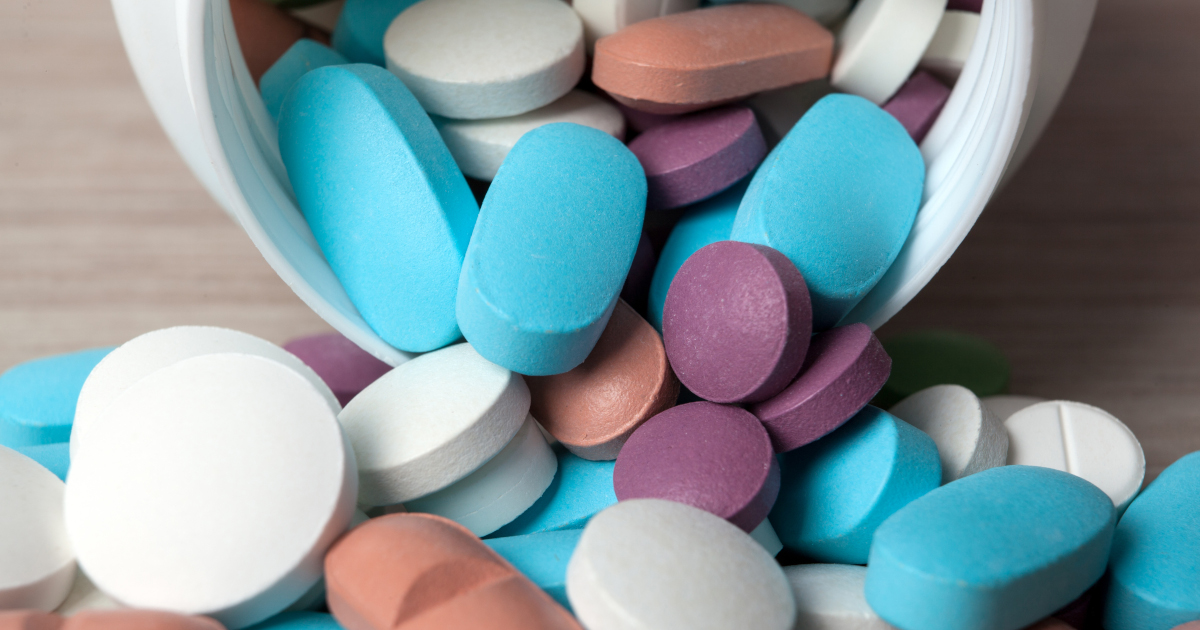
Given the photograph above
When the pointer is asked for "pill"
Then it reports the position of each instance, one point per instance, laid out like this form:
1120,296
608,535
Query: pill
38,563
636,289
418,571
430,422
842,370
29,620
461,60
592,409
737,322
361,26
303,56
480,146
917,104
969,437
709,456
881,43
848,154
225,476
579,490
387,204
342,365
998,550
605,17
697,156
696,59
779,110
830,597
85,596
152,351
500,490
837,491
951,44
824,11
265,32
1005,405
300,620
974,6
138,620
926,358
637,566
542,557
538,305
1080,439
640,121
37,398
704,224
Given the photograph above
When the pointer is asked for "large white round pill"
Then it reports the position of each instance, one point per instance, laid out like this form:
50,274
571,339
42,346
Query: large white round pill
213,486
486,58
830,597
969,437
37,565
141,356
431,422
1080,439
605,17
652,564
1005,405
881,44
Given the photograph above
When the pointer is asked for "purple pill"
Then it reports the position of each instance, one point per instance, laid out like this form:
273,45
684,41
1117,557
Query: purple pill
917,104
698,156
345,368
636,290
709,456
844,370
737,322
974,6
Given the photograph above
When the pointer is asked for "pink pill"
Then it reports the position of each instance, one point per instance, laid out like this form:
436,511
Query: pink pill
737,322
844,369
698,156
345,368
917,104
709,456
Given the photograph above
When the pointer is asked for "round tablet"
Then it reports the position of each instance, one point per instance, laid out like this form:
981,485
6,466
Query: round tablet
830,597
653,564
939,357
1080,439
224,476
844,369
154,350
486,58
37,565
969,437
709,456
1005,405
345,367
138,620
881,43
737,322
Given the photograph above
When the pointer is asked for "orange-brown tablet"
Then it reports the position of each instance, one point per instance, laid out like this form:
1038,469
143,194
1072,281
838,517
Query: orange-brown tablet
29,620
626,380
137,620
696,59
265,32
418,571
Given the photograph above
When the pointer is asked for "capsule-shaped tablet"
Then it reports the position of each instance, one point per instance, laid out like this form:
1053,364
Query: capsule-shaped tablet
37,398
305,55
552,248
579,490
38,562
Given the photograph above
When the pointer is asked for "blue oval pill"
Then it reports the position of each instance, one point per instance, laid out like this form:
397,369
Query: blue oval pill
303,56
37,398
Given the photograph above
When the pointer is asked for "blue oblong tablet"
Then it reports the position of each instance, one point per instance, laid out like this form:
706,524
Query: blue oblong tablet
997,550
386,202
580,489
302,57
542,557
554,242
299,621
1154,569
837,196
37,398
358,34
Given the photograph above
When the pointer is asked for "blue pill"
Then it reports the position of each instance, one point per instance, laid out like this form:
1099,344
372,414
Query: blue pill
299,621
1154,571
551,250
997,550
37,398
838,196
387,204
579,490
304,56
542,557
358,34
836,491
54,457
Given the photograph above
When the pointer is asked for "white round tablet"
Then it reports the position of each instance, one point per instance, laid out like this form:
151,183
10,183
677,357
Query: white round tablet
881,44
431,422
969,437
486,58
1005,405
141,356
1080,439
652,564
37,565
830,597
225,477
605,17
951,44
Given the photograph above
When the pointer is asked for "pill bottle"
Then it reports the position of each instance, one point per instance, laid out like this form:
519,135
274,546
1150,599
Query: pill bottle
189,64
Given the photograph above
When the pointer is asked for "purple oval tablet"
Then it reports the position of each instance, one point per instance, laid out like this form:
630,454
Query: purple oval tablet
345,368
737,322
917,104
844,369
698,156
709,456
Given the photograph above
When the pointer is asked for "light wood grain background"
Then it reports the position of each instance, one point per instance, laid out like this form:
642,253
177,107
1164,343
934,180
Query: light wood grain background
1085,270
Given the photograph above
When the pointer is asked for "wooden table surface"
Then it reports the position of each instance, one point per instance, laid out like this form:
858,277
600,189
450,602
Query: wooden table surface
1085,271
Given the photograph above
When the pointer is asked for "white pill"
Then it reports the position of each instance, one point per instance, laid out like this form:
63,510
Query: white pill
431,422
951,43
605,17
37,565
652,564
830,597
486,58
143,355
1080,439
214,486
1005,405
85,596
765,535
881,44
969,437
